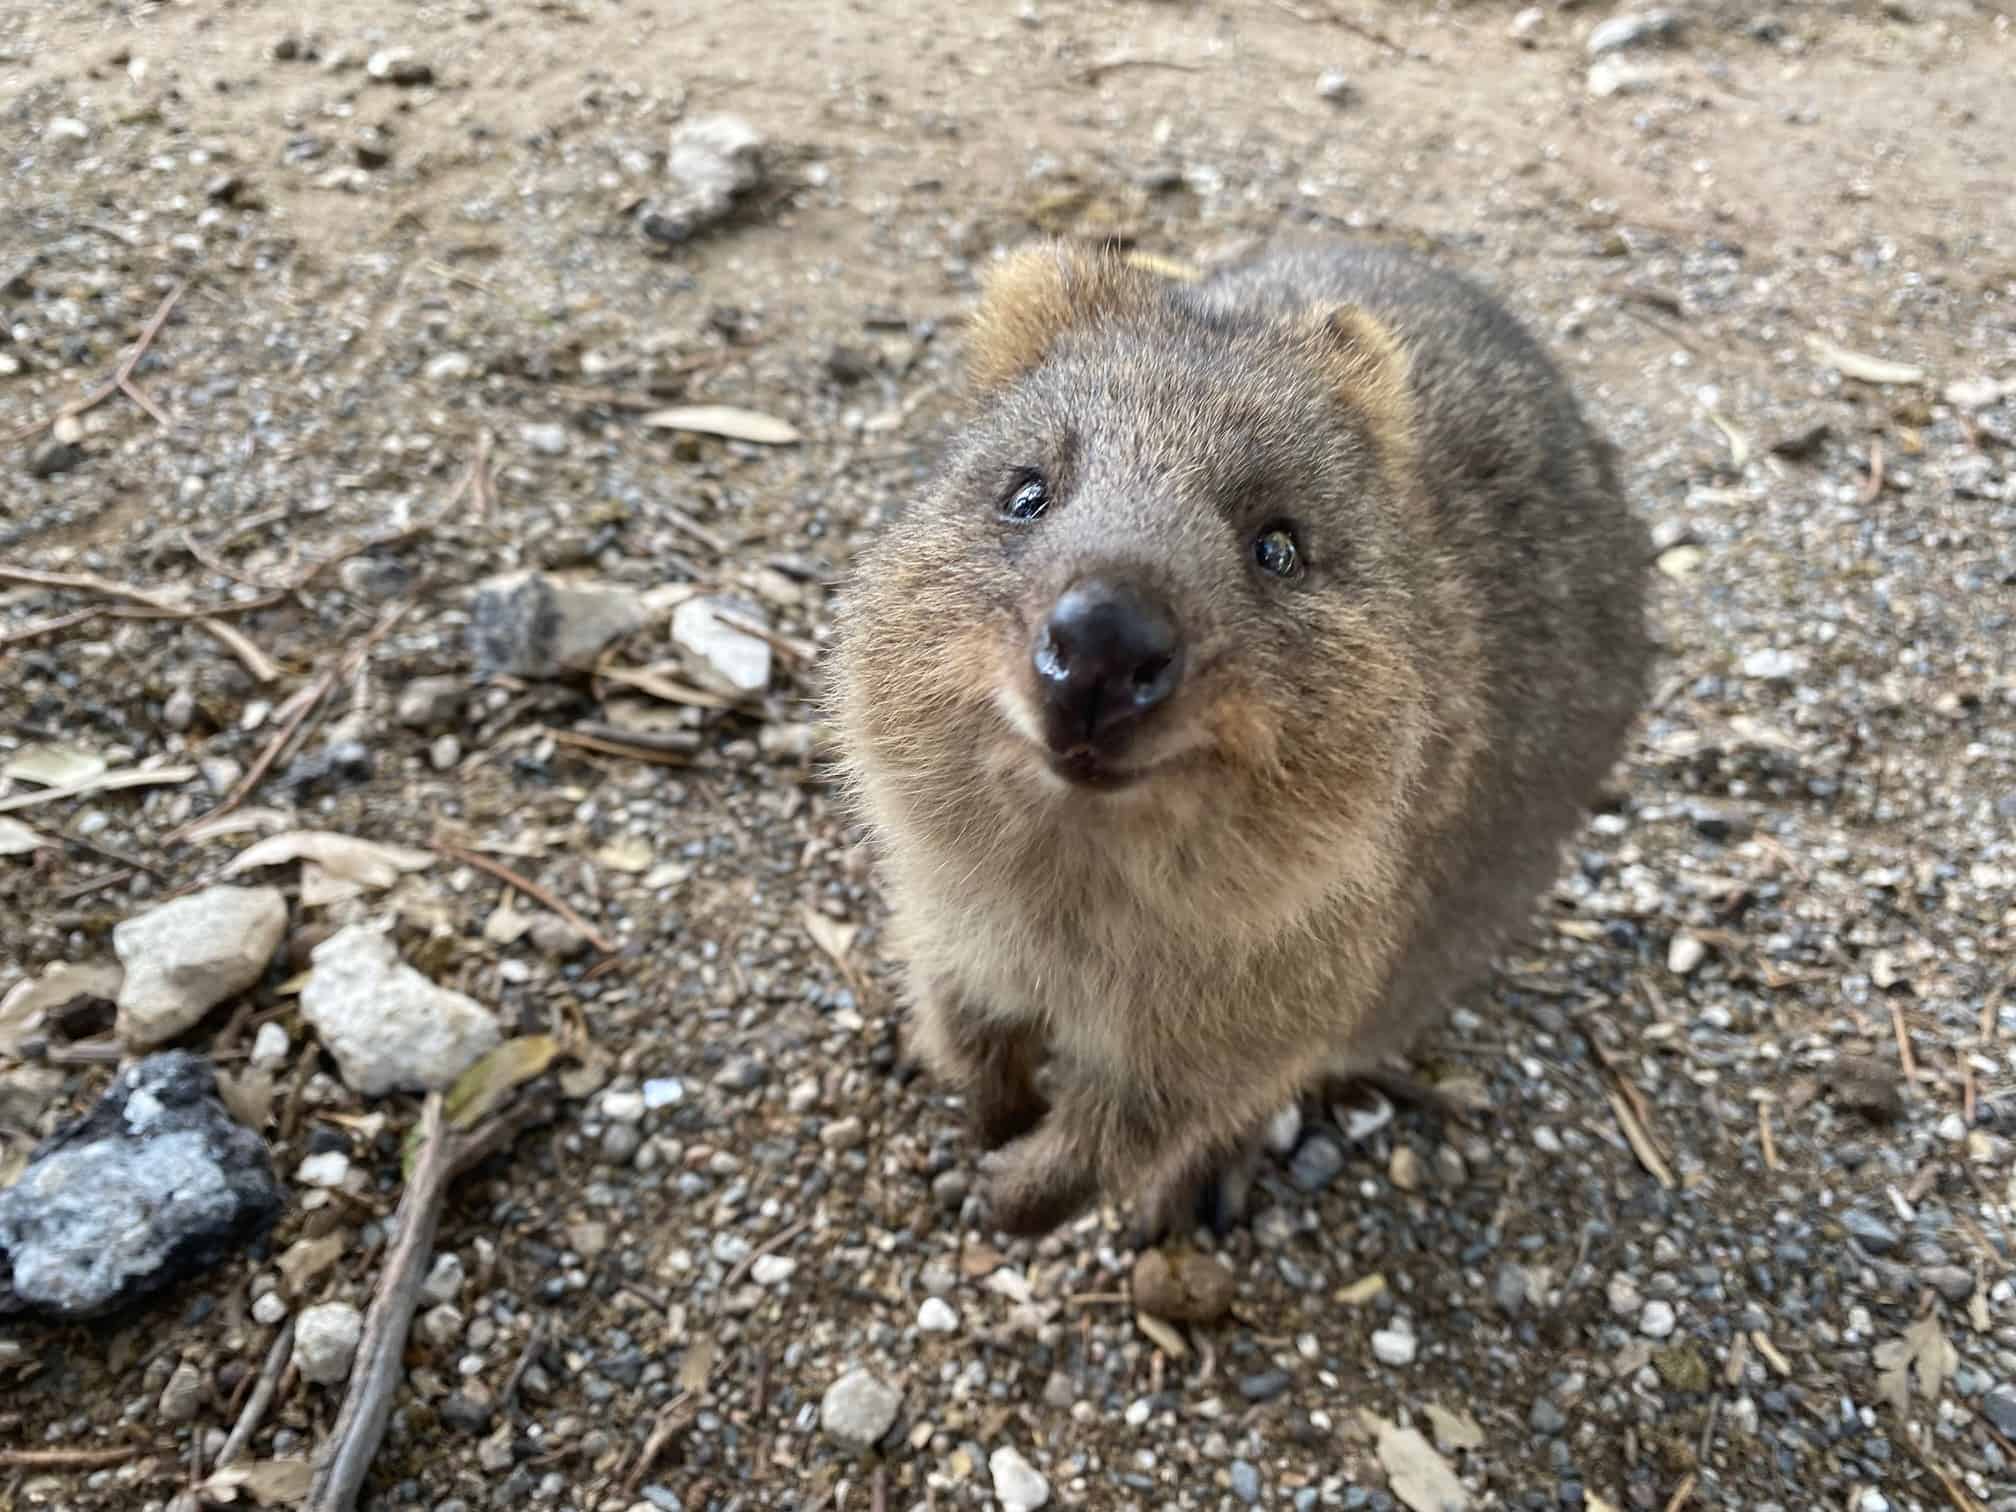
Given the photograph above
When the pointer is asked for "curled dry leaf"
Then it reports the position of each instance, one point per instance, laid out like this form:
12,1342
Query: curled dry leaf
341,858
104,782
248,1094
1924,1352
1739,444
1454,1430
16,839
270,1483
627,853
481,1090
306,1259
726,420
1419,1476
830,935
1861,366
54,764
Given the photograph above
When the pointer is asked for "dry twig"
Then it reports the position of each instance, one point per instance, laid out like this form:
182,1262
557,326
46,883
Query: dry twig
256,661
1629,1108
1875,484
775,1242
1904,1056
121,380
1764,1139
277,1360
677,1413
367,1405
308,703
1092,73
529,888
66,1459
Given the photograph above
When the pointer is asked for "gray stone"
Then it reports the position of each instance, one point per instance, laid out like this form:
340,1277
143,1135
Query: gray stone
1317,1163
1335,86
444,1278
843,1133
185,957
1510,1288
1657,1321
1869,1231
427,703
1612,77
1392,1347
722,656
325,1341
1999,1407
155,1183
182,1397
390,1028
1546,1417
858,1410
1633,29
54,457
712,162
1265,1386
528,624
547,438
1245,1482
399,65
1018,1485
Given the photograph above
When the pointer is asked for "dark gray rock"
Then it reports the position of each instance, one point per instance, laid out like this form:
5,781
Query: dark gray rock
1869,1231
54,457
1265,1386
155,1183
1999,1407
1317,1163
530,625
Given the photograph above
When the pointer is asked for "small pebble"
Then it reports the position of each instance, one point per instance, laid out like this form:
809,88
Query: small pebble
1391,1347
329,1169
270,1046
548,440
936,1316
843,1134
1684,954
1318,1162
663,1092
1245,1482
444,1278
858,1409
1657,1321
1265,1386
270,1309
1546,1417
1334,85
325,1341
182,1396
773,1270
444,752
1018,1485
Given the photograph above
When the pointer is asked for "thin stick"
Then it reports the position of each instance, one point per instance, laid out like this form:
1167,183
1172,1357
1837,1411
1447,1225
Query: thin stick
1094,72
529,888
367,1406
277,1359
1903,1042
1680,1493
50,626
256,662
656,755
318,690
121,379
776,1241
669,1422
533,1342
1764,1136
66,1459
1640,1139
1875,484
797,650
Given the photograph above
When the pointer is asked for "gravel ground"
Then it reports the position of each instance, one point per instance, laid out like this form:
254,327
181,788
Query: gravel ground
1729,1221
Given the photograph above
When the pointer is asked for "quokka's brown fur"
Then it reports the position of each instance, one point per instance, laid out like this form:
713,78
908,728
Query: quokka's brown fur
1365,777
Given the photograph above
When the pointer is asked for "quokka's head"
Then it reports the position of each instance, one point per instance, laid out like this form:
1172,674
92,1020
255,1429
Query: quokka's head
1165,570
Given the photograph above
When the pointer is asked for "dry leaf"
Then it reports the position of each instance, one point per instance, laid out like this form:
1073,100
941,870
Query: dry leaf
1867,369
724,420
1739,445
1925,1352
1164,1337
506,925
481,1090
54,765
16,839
1418,1475
28,1003
1454,1430
104,782
341,857
829,934
306,1259
248,1094
627,853
1361,1291
697,1364
271,1483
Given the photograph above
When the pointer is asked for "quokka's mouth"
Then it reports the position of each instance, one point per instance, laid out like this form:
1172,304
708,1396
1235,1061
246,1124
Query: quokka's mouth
1086,769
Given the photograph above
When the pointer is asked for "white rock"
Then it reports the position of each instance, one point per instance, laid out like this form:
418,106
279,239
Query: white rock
325,1341
663,1092
1684,953
329,1169
623,1107
1284,1130
444,1278
184,958
1018,1485
269,1309
937,1316
441,1327
390,1028
1526,25
548,440
858,1409
1657,1321
1625,1298
1771,664
1612,76
1632,29
773,1270
449,366
1334,85
1392,1347
733,660
270,1045
67,129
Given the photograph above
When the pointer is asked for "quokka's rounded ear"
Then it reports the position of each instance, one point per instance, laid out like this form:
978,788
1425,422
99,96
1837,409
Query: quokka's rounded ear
1032,296
1364,360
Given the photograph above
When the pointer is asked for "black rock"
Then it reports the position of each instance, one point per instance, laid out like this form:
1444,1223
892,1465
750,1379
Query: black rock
1265,1386
54,457
155,1183
464,1412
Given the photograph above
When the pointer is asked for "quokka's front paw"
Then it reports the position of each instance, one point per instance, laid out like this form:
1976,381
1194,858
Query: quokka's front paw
1035,1183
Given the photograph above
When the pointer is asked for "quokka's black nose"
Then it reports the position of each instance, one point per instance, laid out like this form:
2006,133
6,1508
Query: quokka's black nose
1105,656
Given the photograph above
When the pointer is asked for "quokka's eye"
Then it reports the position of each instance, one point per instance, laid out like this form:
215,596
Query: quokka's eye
1028,498
1275,551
